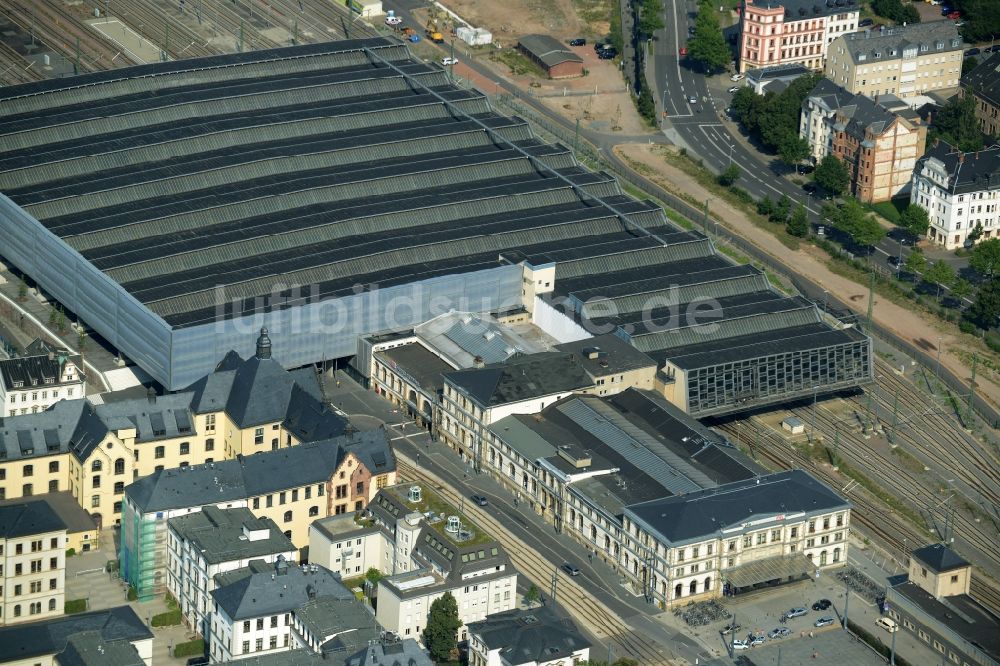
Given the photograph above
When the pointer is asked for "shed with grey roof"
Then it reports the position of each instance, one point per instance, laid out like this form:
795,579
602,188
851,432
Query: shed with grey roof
555,58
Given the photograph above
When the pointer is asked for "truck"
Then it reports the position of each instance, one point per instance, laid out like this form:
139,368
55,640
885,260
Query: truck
433,34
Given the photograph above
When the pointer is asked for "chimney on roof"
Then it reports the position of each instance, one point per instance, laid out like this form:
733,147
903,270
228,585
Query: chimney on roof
263,344
52,355
150,395
478,362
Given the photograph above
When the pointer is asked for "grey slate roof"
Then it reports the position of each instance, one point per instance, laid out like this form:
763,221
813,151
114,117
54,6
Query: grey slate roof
529,636
613,355
890,42
218,534
939,558
967,172
35,639
259,474
396,652
68,425
857,113
347,622
65,506
522,378
548,49
984,79
699,515
32,372
806,9
251,592
25,519
90,649
424,366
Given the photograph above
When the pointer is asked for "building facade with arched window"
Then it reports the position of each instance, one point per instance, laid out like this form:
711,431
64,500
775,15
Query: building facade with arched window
734,538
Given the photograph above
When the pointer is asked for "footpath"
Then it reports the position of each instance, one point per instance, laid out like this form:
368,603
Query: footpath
918,329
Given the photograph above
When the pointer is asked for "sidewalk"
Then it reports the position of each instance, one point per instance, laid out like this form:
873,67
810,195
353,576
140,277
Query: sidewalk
811,261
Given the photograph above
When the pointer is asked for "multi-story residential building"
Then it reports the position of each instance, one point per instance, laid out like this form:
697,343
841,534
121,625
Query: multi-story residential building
43,376
932,601
477,397
94,451
112,636
526,637
290,486
775,528
960,192
983,83
388,649
579,462
879,142
792,31
265,608
905,60
348,545
212,541
433,548
774,79
82,534
32,563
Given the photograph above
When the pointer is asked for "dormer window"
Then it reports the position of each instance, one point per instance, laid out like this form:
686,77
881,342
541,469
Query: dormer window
878,54
939,45
50,380
892,52
862,57
18,384
956,42
923,47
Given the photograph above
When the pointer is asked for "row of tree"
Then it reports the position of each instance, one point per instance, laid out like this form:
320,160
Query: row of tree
780,212
896,11
773,119
981,19
708,45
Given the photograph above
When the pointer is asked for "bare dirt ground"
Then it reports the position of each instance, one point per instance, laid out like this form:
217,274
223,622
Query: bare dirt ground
922,331
510,19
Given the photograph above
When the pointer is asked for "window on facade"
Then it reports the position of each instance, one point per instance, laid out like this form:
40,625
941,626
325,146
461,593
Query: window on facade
53,466
95,501
119,487
210,444
26,490
258,436
120,466
185,448
96,466
313,511
159,452
29,470
53,486
287,517
96,481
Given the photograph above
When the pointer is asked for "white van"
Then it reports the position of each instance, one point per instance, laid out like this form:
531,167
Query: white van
888,624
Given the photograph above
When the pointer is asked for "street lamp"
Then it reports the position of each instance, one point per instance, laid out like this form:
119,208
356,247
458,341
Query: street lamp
899,259
731,146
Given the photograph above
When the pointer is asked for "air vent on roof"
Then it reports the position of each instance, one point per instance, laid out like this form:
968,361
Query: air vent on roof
414,494
529,619
454,525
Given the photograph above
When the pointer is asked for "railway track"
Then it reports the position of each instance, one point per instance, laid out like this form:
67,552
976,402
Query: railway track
875,517
576,598
64,32
14,69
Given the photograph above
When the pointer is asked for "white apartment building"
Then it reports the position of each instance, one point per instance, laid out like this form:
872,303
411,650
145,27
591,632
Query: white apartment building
960,192
34,382
32,563
437,550
348,545
777,528
203,544
266,608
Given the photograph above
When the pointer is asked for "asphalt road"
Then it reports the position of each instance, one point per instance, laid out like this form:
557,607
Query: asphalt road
703,127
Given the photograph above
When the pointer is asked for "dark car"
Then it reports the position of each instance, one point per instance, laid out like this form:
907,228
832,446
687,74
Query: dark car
972,52
599,45
607,54
572,570
865,23
691,30
579,41
810,188
480,500
893,261
822,605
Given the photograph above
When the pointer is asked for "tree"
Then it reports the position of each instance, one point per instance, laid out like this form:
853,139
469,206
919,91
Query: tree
852,219
708,46
22,290
968,65
765,206
373,576
81,339
781,209
650,17
915,220
53,316
729,176
798,224
961,290
915,262
793,150
831,174
981,19
533,594
941,274
985,258
896,11
956,123
986,308
441,633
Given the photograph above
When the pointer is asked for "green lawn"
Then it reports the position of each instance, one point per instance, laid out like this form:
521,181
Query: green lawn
195,648
75,606
891,210
431,501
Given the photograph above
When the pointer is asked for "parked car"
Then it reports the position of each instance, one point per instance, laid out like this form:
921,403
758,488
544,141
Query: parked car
796,612
599,45
972,52
571,569
731,628
579,41
740,645
888,624
822,604
682,51
449,61
824,621
757,640
393,20
734,89
954,16
780,632
691,31
607,54
480,500
736,77
865,23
